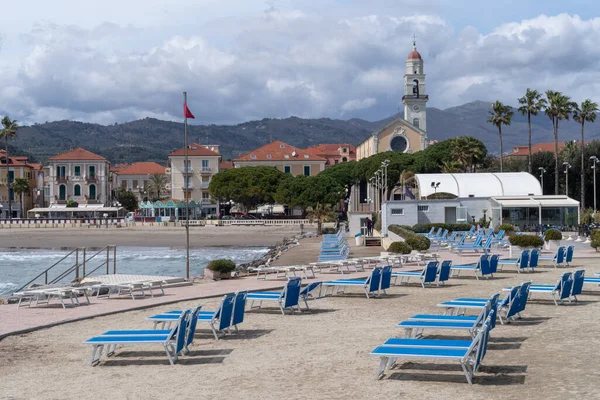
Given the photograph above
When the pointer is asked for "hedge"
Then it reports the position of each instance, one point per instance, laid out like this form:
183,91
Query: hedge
416,242
400,247
424,228
595,234
223,266
526,241
506,228
552,234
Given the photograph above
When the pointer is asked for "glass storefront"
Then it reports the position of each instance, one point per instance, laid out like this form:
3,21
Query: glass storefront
527,217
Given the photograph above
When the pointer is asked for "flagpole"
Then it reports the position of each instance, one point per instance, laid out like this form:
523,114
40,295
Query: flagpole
186,194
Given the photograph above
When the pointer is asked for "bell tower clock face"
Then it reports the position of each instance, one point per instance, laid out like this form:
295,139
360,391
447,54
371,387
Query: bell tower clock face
416,108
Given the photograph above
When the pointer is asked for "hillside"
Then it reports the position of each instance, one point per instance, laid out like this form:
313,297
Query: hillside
152,140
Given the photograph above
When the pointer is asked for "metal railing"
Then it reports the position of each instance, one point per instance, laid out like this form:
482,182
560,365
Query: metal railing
80,269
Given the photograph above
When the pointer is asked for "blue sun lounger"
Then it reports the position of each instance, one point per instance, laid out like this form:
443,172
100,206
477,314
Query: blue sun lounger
370,285
569,255
470,358
288,298
558,259
481,268
427,276
569,285
174,341
521,263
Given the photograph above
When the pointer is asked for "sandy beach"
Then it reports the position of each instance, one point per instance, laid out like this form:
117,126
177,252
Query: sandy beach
147,236
321,354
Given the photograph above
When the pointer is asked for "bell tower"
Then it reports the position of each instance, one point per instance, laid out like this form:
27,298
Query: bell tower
415,95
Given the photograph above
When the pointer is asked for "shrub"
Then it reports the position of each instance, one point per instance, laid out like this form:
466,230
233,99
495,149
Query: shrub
418,242
222,266
400,247
552,234
328,231
595,239
506,228
526,241
424,228
401,231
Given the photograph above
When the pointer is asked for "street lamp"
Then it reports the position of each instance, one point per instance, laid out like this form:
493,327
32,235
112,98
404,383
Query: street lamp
542,172
567,166
594,162
384,165
435,186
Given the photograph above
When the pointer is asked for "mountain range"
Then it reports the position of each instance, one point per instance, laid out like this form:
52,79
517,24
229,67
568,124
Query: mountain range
151,139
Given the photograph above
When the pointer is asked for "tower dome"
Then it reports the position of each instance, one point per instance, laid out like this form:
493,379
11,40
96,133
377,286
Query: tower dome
414,55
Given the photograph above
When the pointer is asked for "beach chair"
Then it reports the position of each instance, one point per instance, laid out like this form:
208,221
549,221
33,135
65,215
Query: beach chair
560,291
505,305
470,358
307,292
569,255
483,246
558,259
443,274
534,257
521,263
481,268
174,341
370,285
46,295
288,298
490,306
427,276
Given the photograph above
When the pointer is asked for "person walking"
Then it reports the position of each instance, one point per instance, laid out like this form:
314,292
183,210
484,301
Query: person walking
369,227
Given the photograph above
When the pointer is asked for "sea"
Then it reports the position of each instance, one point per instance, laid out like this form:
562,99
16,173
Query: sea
19,265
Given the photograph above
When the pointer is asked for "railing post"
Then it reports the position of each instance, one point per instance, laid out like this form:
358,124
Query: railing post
84,256
114,260
107,260
77,264
46,278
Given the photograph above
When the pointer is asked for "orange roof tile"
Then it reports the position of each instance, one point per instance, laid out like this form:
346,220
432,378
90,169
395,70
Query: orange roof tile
142,168
78,154
225,165
195,149
330,149
279,151
523,151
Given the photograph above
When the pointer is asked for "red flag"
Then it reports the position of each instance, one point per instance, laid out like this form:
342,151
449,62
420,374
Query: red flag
186,112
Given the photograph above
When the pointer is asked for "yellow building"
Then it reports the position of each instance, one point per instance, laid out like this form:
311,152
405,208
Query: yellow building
18,168
286,158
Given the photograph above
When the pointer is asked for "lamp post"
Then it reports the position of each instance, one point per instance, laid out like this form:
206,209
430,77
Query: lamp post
435,186
384,165
567,166
542,171
594,162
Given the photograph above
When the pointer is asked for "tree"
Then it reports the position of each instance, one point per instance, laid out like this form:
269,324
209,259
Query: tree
321,213
157,185
127,199
587,113
9,131
467,152
559,107
290,192
20,186
500,115
531,104
247,186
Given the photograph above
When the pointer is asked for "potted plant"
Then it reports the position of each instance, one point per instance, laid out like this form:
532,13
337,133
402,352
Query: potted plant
400,248
553,236
526,242
219,269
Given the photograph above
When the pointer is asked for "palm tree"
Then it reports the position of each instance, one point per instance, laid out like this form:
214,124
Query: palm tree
9,131
451,167
587,113
531,104
321,213
559,107
158,184
21,186
467,152
500,115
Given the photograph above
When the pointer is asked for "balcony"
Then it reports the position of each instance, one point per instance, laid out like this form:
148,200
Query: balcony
189,187
204,185
77,178
206,170
206,201
188,171
62,179
91,179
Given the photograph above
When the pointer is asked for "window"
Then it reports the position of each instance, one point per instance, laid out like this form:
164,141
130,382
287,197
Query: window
399,144
11,176
205,196
416,122
286,156
397,211
77,170
253,156
336,161
92,172
307,170
11,194
344,150
461,214
344,159
281,146
135,184
306,156
92,192
423,208
188,182
287,169
124,185
268,156
77,190
46,191
205,164
61,171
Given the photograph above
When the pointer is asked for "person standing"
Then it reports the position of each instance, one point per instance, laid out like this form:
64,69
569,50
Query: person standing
369,227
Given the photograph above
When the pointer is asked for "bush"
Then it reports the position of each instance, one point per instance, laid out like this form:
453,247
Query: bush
595,238
418,242
400,248
526,241
506,228
328,231
424,228
222,266
552,234
401,231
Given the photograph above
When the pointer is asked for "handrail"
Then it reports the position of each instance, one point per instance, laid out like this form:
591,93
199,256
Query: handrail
95,269
46,271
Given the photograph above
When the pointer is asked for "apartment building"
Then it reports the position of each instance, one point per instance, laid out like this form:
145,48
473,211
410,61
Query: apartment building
79,175
190,182
138,177
288,159
18,167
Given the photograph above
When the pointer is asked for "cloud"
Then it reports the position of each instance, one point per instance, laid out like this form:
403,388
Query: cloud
289,62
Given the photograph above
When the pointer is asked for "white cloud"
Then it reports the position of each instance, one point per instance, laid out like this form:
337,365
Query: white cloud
287,62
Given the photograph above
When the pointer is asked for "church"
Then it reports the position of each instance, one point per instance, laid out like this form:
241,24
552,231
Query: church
406,134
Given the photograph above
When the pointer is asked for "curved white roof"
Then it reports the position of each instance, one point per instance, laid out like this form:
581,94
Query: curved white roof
480,184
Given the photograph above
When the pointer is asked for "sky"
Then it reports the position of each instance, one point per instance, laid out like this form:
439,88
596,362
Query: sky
239,60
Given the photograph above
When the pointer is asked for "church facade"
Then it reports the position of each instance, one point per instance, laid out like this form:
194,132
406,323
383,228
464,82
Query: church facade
406,134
